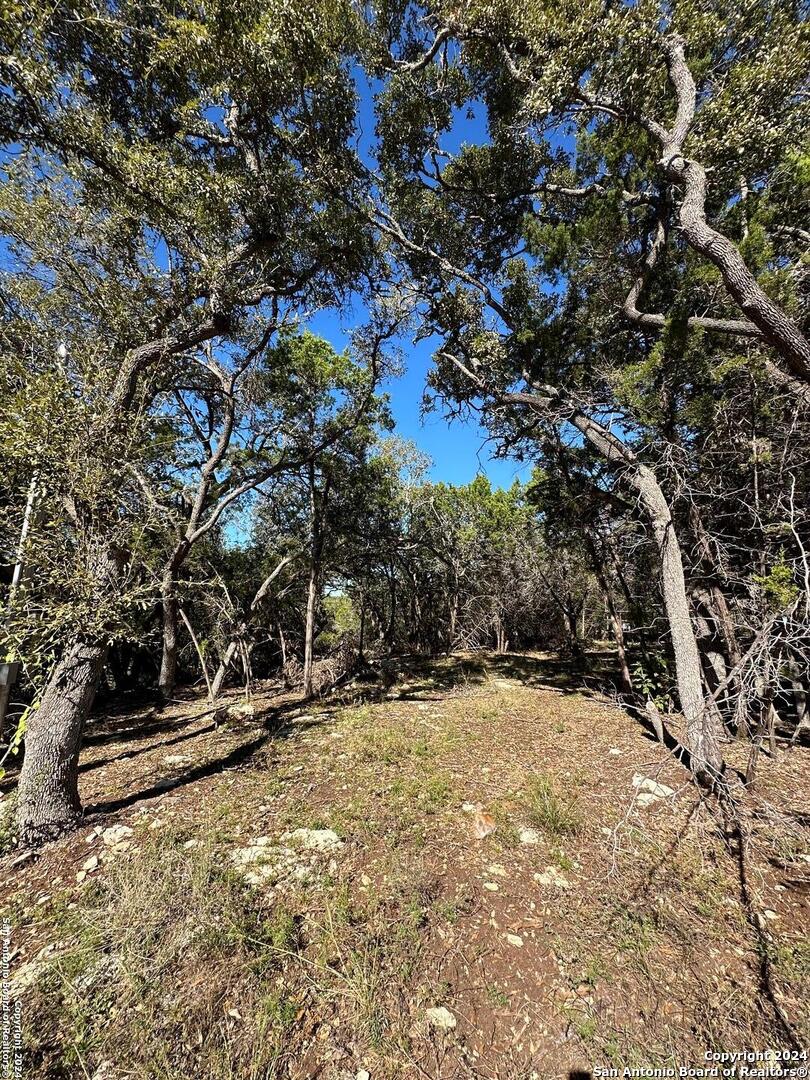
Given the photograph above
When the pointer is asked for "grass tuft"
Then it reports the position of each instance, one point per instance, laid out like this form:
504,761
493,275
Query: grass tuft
550,810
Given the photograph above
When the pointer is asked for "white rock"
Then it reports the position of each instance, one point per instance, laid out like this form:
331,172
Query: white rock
440,1018
652,787
177,759
529,836
116,834
516,940
490,886
552,876
90,864
363,1074
261,875
313,839
614,751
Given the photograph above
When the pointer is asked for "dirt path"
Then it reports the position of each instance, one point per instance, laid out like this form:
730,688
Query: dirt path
597,922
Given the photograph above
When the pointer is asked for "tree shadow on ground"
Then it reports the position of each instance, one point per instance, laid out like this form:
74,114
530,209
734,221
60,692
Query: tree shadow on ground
277,722
415,677
88,766
134,729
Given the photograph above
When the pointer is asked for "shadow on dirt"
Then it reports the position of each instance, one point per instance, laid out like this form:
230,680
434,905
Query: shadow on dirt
277,722
414,677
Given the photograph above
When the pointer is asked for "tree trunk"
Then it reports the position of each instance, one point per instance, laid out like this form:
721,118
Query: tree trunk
222,670
626,678
702,735
309,633
317,509
573,646
701,727
282,648
167,679
776,327
771,320
48,792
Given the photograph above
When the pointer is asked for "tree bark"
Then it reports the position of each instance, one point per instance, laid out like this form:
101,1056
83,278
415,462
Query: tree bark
774,324
309,632
168,661
701,730
48,794
222,670
613,615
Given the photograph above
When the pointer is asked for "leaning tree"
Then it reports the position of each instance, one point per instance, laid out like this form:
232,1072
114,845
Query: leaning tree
169,179
575,192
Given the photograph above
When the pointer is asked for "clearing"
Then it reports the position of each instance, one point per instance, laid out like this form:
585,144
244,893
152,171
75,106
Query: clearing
297,890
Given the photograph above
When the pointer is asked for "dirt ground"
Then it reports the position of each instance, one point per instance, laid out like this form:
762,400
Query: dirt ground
306,891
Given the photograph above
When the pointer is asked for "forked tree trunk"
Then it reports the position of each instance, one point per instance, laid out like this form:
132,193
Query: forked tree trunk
48,794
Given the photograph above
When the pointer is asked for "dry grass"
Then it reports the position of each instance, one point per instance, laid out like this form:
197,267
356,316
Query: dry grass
169,968
643,958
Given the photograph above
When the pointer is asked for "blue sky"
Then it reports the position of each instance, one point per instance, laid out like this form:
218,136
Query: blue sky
458,448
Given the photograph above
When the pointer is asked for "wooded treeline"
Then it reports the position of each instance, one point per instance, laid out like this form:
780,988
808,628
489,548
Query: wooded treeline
596,215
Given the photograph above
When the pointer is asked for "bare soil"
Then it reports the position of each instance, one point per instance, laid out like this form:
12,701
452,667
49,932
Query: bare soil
591,927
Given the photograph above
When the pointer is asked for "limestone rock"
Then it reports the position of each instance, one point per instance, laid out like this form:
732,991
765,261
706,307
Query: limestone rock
552,876
117,837
177,759
440,1018
646,786
313,839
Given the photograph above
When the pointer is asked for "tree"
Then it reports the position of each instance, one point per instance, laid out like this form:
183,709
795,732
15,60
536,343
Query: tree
331,399
191,167
519,253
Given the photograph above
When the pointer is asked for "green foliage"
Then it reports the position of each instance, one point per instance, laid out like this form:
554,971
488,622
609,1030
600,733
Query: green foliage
652,677
778,586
